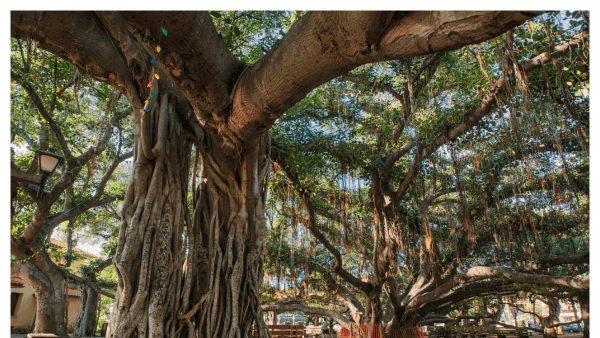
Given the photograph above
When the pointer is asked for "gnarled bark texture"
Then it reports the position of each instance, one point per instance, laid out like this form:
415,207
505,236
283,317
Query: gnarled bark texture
209,288
86,323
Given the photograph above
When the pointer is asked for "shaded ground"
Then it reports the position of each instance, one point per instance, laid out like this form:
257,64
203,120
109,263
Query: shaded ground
19,335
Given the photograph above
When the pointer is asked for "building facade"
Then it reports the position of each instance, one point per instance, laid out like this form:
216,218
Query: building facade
23,302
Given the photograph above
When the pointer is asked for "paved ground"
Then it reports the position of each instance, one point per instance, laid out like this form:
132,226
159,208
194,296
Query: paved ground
14,335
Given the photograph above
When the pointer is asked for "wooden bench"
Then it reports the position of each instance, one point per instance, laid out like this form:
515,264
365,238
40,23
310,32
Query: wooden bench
285,331
513,333
41,335
477,332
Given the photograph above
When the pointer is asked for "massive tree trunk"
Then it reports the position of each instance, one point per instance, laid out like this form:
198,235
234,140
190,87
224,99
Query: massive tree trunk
211,287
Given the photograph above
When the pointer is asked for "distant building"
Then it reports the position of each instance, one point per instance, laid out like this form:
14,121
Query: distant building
23,302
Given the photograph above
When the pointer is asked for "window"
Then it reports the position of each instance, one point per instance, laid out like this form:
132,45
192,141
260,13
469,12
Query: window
14,299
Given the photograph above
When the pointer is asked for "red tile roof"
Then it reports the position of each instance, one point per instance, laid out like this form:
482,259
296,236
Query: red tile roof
16,282
74,293
85,253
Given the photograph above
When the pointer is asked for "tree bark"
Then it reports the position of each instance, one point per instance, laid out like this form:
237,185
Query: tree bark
213,290
272,317
584,303
87,319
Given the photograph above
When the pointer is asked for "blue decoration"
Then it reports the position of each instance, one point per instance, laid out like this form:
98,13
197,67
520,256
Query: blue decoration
81,95
153,61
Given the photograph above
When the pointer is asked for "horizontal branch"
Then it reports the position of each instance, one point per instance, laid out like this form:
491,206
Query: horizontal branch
90,284
583,259
21,176
309,310
342,41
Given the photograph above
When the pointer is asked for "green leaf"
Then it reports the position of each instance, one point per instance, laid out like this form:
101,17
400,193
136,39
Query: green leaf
237,31
227,21
215,14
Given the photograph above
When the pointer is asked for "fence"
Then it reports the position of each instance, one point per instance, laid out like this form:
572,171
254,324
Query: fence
376,331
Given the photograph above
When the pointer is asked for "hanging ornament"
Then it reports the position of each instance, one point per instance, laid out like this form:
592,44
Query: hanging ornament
158,49
149,84
479,91
452,101
164,30
153,61
156,76
80,96
57,89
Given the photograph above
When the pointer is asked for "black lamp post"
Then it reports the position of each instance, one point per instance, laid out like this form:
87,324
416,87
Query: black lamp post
48,161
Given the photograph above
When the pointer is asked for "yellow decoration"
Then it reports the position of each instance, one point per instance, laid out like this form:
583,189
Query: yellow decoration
158,49
156,75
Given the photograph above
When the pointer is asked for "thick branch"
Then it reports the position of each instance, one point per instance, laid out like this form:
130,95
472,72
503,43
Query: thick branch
90,284
309,310
342,41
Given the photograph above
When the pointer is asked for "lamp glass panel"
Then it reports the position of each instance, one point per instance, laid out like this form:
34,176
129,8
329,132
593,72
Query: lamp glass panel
48,163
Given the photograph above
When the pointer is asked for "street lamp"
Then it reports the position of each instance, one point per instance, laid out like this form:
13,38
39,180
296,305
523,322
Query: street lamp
48,161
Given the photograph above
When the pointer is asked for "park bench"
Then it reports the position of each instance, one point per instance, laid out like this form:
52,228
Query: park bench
512,333
439,332
290,331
